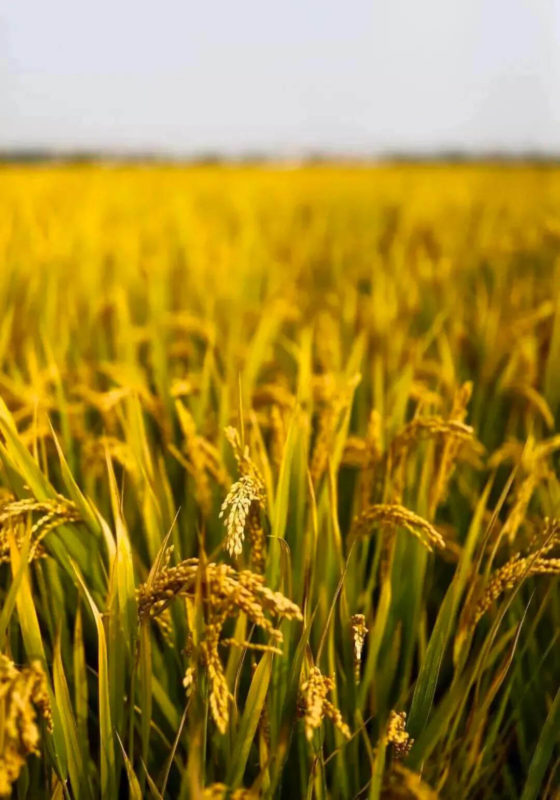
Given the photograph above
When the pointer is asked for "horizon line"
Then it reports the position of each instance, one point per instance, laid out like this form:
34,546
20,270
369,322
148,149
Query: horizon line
68,155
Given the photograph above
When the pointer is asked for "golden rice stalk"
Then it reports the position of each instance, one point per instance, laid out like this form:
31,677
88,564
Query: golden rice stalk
189,679
219,692
507,577
397,516
359,633
547,538
512,573
314,706
235,510
416,430
22,691
397,735
519,509
534,399
224,593
234,591
532,459
245,463
327,422
243,503
449,448
425,427
53,513
57,507
36,549
530,455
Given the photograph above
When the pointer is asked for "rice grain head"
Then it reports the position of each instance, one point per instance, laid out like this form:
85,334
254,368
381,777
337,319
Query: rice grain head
22,692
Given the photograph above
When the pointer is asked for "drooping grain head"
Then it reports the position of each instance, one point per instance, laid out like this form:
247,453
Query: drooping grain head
22,692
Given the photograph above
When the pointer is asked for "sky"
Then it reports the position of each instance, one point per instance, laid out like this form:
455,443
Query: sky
287,78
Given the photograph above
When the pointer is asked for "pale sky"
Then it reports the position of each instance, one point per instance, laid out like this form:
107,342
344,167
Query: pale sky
287,77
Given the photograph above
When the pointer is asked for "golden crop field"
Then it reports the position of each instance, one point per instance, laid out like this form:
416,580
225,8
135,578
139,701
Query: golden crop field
279,494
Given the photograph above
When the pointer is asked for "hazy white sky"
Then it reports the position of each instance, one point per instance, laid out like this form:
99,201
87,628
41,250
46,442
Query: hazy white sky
192,76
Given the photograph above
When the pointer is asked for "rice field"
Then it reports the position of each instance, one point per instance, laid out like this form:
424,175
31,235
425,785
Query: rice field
279,493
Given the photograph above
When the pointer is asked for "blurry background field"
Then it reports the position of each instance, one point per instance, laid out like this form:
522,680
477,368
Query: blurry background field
371,356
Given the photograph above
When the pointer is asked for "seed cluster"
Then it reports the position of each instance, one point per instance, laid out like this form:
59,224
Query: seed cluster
14,513
223,592
235,510
359,633
314,705
22,692
397,735
516,569
397,516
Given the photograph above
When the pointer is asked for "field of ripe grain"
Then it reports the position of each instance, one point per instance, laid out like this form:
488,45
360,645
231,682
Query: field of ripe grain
279,493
